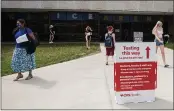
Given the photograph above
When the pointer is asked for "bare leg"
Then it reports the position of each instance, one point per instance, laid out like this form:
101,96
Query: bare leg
113,58
89,41
29,75
86,37
52,38
19,76
106,60
163,54
156,49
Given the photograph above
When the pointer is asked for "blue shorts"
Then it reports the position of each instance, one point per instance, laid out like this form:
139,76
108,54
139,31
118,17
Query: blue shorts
158,43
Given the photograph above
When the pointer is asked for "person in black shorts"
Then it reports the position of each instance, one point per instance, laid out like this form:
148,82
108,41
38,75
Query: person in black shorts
52,33
88,34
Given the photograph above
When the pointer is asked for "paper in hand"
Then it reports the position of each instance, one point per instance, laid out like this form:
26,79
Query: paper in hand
22,38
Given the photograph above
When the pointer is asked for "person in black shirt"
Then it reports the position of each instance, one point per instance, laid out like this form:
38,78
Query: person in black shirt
52,33
88,33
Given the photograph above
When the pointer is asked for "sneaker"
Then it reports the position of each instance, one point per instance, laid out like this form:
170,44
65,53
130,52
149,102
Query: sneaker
106,63
166,66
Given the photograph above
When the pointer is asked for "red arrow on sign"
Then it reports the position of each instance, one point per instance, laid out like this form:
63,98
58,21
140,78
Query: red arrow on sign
147,52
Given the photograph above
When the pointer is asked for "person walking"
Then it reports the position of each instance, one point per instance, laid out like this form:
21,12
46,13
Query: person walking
109,43
158,33
21,60
88,34
52,33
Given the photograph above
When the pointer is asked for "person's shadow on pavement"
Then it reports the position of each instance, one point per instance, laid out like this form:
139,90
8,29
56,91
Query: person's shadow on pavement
157,104
37,81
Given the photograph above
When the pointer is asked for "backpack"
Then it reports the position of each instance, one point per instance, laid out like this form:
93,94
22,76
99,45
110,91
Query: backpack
108,41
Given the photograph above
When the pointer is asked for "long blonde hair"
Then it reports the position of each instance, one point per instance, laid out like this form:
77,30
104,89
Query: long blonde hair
155,28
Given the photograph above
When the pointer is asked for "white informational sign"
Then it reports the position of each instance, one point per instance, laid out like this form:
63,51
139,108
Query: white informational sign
135,72
138,36
135,52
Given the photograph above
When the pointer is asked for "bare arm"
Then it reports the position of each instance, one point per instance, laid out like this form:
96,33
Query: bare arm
106,35
32,36
51,32
113,35
90,29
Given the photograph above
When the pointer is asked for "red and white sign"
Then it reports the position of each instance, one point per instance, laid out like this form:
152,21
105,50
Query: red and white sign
135,72
135,52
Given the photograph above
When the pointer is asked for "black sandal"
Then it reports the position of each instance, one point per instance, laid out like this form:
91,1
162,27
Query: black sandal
29,77
166,66
18,77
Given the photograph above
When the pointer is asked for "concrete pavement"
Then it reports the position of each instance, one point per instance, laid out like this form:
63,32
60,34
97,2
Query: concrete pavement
84,83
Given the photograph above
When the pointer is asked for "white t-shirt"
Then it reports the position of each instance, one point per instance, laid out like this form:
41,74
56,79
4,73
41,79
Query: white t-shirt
160,34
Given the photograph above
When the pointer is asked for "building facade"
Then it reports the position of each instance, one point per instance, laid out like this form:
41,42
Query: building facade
71,17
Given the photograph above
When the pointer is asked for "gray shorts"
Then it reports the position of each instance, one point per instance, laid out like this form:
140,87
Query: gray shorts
158,43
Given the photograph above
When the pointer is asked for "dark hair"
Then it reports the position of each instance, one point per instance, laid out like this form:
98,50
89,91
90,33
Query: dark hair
22,21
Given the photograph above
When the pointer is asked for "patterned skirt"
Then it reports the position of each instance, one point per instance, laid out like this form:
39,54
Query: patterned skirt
21,61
